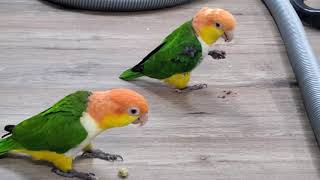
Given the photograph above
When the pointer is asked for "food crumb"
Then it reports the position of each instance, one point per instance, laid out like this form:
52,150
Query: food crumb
123,172
203,158
227,93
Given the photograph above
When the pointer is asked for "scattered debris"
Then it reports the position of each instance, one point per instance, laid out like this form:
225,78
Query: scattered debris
227,93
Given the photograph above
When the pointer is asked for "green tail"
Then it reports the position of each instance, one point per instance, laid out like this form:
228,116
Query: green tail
7,145
129,74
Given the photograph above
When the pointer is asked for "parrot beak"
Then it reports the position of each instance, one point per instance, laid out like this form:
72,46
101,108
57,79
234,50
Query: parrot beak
142,120
228,36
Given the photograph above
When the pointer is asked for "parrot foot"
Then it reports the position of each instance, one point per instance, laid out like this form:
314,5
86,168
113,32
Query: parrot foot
217,54
75,174
192,88
102,155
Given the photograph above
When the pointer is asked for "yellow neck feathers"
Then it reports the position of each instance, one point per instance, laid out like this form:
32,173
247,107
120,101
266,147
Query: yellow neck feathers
210,34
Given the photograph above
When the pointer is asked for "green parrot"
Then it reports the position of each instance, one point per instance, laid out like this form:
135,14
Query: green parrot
67,128
180,52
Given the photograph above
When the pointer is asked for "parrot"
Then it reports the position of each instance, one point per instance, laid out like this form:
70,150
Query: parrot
58,134
181,51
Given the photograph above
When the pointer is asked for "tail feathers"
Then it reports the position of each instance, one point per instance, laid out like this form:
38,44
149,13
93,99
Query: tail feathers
129,75
7,145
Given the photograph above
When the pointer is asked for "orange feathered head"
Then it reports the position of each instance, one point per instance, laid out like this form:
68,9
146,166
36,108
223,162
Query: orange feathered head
217,21
117,108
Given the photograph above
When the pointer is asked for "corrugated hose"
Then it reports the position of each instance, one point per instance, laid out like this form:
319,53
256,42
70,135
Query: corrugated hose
118,5
302,58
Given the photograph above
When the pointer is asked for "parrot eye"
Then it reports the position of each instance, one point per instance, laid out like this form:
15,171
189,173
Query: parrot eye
218,25
134,111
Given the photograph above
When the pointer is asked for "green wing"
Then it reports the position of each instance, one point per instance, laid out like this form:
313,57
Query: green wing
57,129
180,52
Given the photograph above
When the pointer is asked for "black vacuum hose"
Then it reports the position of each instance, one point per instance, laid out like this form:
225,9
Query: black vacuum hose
302,58
308,15
118,5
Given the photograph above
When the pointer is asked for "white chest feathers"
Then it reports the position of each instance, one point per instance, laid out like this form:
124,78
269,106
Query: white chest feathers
92,129
205,47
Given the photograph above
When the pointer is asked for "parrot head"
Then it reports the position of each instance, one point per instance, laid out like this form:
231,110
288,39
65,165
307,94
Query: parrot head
211,24
117,108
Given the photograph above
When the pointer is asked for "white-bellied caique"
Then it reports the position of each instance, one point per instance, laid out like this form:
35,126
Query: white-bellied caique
67,128
180,52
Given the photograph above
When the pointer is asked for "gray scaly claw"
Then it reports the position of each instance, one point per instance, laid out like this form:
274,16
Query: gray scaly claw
102,155
192,88
217,54
75,174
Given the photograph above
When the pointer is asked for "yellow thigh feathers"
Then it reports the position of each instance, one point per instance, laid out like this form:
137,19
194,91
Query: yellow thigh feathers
179,81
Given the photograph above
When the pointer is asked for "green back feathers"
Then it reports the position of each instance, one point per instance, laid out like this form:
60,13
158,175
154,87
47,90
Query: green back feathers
179,52
57,129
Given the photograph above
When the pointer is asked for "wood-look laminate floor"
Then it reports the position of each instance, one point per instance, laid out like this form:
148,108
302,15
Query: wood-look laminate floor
258,131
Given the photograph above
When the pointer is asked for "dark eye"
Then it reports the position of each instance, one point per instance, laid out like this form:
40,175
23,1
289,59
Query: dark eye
133,111
218,25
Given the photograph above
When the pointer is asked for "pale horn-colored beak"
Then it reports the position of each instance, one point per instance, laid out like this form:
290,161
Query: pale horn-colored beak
142,120
228,36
